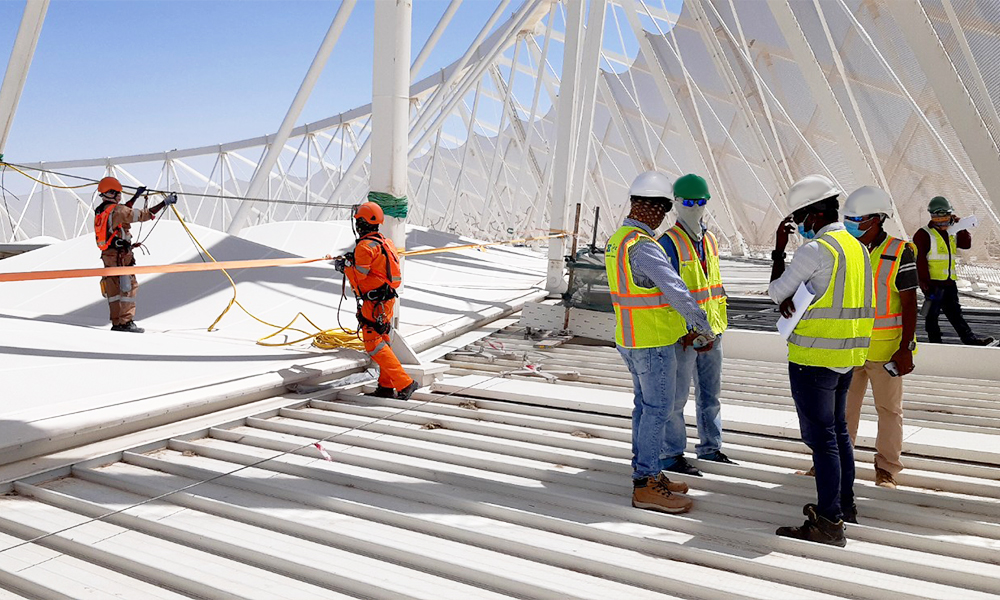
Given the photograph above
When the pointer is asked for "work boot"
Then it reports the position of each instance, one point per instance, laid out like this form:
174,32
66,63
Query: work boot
810,473
682,466
130,327
981,341
405,393
850,513
718,457
649,494
884,479
384,392
816,529
677,487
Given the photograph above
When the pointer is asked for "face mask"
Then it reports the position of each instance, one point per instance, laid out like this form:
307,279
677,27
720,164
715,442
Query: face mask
940,221
691,218
854,229
806,234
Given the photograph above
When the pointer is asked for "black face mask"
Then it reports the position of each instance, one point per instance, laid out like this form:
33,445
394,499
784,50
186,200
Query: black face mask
363,228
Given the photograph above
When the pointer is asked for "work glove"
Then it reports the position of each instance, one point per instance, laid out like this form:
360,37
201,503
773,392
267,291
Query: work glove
170,200
140,190
343,262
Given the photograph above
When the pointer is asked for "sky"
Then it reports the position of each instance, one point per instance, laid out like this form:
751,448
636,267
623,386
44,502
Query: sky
112,77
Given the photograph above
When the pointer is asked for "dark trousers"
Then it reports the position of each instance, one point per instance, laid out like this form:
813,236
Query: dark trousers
820,396
944,296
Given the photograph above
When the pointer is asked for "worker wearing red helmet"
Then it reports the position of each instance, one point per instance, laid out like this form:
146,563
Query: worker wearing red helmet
112,222
374,273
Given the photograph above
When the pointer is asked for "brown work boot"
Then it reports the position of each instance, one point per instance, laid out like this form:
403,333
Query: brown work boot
884,479
649,494
816,529
810,473
677,487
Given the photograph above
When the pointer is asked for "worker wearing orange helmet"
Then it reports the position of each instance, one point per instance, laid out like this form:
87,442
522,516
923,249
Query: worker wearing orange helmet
112,221
374,273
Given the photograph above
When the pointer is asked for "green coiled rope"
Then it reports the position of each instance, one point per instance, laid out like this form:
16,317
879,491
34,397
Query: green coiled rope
391,205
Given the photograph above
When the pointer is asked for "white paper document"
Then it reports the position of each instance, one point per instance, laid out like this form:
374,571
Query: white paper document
963,224
802,299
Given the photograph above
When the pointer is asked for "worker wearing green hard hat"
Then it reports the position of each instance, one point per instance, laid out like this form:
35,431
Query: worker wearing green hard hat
938,244
694,253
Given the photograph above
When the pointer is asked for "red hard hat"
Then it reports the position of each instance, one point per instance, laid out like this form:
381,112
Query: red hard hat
107,184
370,213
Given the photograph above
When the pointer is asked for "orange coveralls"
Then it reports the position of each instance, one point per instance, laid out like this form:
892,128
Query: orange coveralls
370,271
121,290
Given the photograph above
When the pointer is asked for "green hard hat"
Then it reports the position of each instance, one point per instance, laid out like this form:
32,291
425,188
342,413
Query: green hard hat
691,186
939,204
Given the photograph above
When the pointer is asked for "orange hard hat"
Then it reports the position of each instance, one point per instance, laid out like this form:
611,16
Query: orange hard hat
107,184
370,213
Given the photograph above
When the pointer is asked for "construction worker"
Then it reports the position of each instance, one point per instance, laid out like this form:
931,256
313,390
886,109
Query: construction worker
112,224
890,355
374,274
694,253
654,312
829,341
936,253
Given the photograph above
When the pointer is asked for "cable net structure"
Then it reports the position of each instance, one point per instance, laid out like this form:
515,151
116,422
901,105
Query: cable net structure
558,103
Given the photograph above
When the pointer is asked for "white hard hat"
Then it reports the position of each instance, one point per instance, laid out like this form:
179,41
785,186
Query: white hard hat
808,190
867,200
651,184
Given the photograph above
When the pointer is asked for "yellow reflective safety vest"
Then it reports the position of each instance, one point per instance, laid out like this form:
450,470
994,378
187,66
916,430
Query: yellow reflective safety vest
888,330
836,329
644,318
706,288
941,256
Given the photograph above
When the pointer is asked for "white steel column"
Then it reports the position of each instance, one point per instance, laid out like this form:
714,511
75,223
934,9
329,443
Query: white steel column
961,111
20,60
565,120
390,107
260,178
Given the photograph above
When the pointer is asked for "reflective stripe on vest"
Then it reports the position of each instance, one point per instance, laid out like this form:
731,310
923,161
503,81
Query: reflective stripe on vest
644,318
941,255
705,288
836,329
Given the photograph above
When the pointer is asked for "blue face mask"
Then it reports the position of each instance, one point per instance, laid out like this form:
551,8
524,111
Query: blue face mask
854,229
806,234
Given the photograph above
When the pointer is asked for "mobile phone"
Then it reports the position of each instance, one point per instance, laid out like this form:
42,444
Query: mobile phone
891,368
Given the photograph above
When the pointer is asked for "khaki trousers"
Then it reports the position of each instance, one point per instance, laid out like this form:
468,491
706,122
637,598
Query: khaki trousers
121,290
888,393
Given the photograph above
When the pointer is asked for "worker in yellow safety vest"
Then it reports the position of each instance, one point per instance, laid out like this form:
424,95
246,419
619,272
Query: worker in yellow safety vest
890,355
694,253
829,341
937,249
654,313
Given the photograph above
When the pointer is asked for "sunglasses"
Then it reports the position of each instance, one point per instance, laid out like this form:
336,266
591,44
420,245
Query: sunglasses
689,202
860,219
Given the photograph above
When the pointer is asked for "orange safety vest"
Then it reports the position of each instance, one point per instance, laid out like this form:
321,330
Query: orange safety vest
103,231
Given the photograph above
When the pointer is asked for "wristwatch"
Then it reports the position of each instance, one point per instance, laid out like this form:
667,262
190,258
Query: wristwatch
912,346
777,255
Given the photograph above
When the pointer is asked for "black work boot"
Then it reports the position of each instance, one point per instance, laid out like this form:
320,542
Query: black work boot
850,513
383,391
816,529
130,327
980,341
405,393
681,465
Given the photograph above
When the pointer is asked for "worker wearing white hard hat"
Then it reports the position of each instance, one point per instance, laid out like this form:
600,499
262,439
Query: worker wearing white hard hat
829,341
890,355
654,312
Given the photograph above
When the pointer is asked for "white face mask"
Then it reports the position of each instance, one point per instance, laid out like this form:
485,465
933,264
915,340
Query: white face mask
691,217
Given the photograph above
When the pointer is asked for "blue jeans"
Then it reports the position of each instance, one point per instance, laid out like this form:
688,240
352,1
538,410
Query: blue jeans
707,386
820,396
653,380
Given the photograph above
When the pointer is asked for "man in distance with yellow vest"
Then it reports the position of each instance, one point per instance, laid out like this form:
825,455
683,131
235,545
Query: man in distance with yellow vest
374,274
112,224
693,252
937,249
890,355
829,341
654,312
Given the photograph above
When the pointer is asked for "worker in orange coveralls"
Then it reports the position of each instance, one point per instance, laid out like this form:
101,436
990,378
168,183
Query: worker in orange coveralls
374,273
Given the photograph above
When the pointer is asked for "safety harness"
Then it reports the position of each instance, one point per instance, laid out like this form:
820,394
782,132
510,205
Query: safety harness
108,236
385,292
